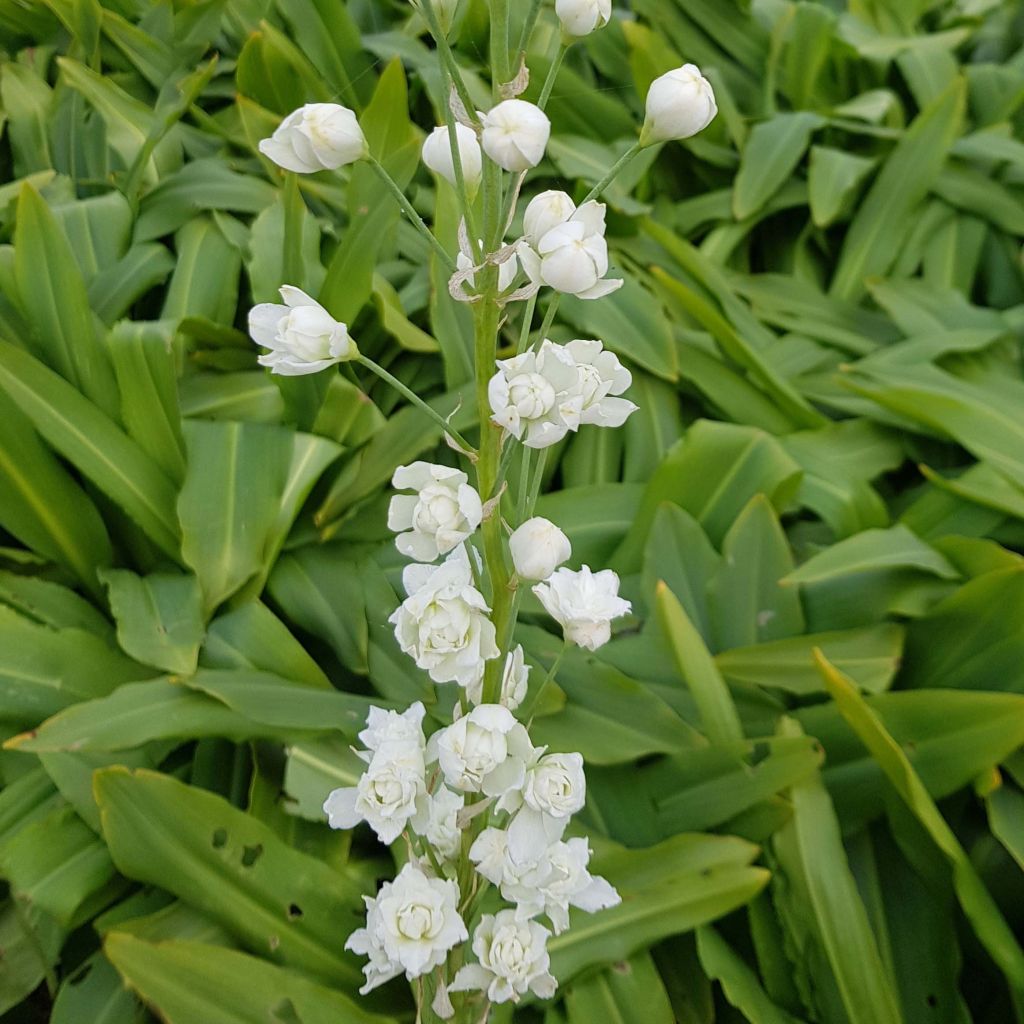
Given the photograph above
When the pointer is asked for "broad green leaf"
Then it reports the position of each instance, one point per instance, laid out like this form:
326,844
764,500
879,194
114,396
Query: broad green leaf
205,278
159,618
977,903
313,768
895,548
881,222
772,151
95,992
594,518
627,992
31,941
1005,807
721,723
197,846
833,178
870,656
51,604
86,437
189,981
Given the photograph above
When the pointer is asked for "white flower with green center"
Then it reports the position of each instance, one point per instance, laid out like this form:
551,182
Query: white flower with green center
302,337
443,512
410,926
513,960
316,137
443,623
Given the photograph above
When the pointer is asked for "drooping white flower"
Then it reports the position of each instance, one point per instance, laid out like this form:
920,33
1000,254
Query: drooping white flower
385,796
437,155
301,335
581,17
436,820
545,211
443,622
413,922
538,548
572,257
485,751
513,960
602,379
583,603
514,681
537,394
679,104
316,137
391,729
515,134
445,510
570,884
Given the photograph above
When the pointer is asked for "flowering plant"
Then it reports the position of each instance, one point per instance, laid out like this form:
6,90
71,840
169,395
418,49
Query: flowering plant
478,812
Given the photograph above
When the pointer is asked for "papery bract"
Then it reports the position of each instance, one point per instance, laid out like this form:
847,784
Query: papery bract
514,681
583,603
445,510
316,137
301,335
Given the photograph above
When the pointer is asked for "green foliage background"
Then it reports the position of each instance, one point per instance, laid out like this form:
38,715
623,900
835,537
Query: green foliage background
823,312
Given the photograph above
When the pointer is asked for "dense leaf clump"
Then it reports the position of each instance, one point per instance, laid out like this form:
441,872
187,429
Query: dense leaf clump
803,746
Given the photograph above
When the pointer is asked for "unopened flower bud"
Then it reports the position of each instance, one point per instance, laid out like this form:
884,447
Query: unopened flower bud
538,548
516,134
316,137
437,155
679,104
581,17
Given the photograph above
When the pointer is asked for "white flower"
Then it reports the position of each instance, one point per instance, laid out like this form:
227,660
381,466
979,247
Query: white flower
514,681
485,751
538,548
301,335
581,17
570,884
520,880
583,603
413,923
442,624
316,137
440,516
507,270
515,134
437,155
537,393
679,104
436,820
513,959
602,377
572,257
393,730
385,796
546,211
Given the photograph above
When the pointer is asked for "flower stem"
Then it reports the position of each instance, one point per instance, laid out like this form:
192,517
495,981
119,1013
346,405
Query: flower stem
552,672
549,81
549,318
528,24
416,401
524,332
613,172
499,45
448,60
410,212
460,177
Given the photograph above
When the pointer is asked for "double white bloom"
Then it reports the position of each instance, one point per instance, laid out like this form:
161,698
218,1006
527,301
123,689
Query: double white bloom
443,623
583,603
679,104
387,793
410,926
302,337
545,394
513,959
564,247
316,137
442,513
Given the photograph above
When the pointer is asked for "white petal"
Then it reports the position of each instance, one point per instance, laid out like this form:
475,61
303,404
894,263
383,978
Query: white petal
263,321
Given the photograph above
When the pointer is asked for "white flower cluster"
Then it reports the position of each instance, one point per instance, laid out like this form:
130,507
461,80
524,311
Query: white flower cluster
480,778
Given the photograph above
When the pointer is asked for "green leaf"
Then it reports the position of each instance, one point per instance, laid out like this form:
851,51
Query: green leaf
872,550
833,178
770,155
95,992
881,223
977,903
189,981
197,846
629,991
159,618
86,437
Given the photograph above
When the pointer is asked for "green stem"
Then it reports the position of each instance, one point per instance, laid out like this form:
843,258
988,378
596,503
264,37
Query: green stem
536,484
553,69
549,318
499,45
460,178
448,59
613,171
552,672
522,497
417,401
531,20
524,332
410,212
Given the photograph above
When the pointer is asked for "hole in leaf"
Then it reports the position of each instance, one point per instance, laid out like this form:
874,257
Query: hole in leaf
294,910
220,838
251,854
